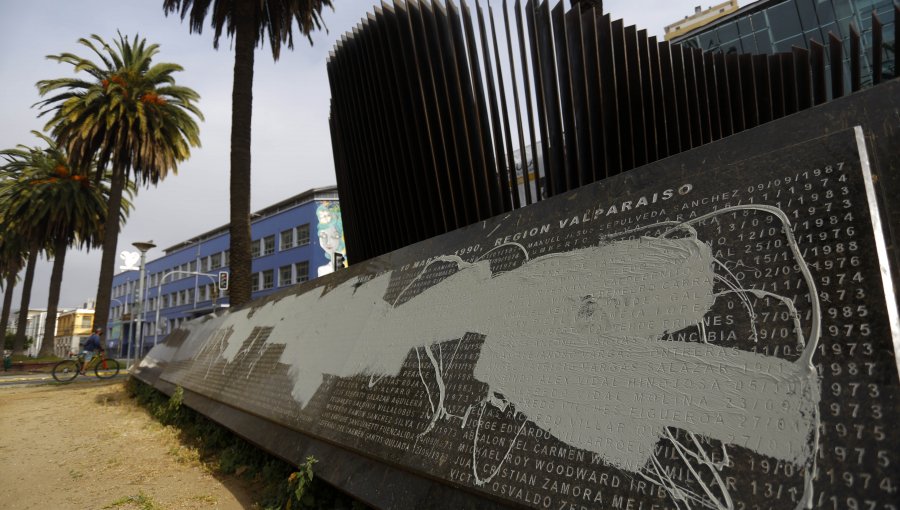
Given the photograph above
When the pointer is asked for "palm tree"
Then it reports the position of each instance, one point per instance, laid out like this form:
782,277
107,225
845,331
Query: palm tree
59,204
249,23
130,116
8,283
27,248
12,260
25,301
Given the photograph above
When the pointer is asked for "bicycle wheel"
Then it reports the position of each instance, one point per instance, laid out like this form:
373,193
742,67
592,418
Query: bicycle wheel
65,370
106,368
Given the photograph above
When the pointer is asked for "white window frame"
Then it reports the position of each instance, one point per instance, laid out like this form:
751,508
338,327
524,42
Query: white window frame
299,238
300,275
289,234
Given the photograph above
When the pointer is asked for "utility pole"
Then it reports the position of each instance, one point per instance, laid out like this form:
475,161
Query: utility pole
143,247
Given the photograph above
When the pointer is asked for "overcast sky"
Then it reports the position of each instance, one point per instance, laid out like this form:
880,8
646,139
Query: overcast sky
291,141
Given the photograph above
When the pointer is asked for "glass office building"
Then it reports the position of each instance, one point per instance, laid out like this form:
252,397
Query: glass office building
776,26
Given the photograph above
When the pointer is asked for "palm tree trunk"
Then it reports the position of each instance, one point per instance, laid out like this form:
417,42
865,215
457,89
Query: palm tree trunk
48,344
241,114
110,240
22,323
7,304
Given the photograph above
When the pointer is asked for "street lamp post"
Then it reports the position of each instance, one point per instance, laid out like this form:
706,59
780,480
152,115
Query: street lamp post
159,293
132,330
143,247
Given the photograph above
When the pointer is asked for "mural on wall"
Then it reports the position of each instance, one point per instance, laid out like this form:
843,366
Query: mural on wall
330,230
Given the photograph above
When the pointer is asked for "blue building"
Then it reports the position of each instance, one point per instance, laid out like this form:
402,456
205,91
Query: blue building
293,241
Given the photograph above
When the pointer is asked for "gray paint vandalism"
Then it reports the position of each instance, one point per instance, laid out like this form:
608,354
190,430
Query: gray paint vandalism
598,319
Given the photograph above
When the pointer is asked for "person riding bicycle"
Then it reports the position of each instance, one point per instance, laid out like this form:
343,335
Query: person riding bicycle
92,345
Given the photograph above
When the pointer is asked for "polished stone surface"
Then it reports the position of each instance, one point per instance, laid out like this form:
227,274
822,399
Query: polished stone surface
691,333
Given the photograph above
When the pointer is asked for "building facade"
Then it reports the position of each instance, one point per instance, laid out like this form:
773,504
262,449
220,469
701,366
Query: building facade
777,26
73,327
34,328
293,241
699,18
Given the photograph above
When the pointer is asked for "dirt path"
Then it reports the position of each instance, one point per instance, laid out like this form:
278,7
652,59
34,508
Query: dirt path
88,446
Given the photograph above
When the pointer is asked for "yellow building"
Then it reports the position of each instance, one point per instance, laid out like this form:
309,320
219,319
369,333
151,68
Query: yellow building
73,327
700,18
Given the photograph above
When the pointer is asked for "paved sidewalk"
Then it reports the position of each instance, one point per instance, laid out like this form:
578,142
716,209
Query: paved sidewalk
15,378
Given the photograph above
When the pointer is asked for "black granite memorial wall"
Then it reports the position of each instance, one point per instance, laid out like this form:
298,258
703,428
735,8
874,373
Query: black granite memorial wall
714,330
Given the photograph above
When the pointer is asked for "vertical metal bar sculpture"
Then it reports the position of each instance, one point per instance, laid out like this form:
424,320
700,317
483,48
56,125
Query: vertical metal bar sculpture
538,65
877,50
623,94
504,111
517,109
681,96
609,101
386,106
802,76
472,208
656,80
749,94
712,97
763,88
581,97
594,92
836,60
635,96
436,124
855,63
647,90
428,120
670,98
776,81
692,87
535,158
482,124
570,150
726,110
415,119
817,62
349,100
735,92
789,83
493,104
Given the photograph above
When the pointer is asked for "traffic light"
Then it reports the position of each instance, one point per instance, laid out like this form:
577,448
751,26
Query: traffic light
223,280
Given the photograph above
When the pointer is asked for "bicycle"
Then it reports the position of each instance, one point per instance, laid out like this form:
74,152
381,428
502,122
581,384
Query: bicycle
68,369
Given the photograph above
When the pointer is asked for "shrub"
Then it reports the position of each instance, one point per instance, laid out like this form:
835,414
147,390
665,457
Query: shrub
281,485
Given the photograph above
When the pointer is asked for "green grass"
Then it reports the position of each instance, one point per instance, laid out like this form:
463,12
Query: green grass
279,484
